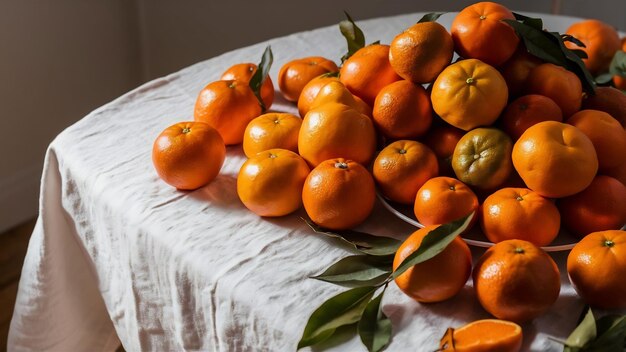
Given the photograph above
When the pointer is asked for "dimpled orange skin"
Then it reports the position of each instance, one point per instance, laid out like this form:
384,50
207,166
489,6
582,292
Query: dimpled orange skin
601,42
486,335
339,194
555,159
468,94
336,92
442,200
271,130
519,213
310,91
227,106
479,33
244,72
438,278
516,280
335,130
526,111
270,183
188,155
402,168
295,74
402,110
558,84
597,266
367,71
421,52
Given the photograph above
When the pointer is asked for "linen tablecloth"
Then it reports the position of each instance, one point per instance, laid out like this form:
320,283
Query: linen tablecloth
117,253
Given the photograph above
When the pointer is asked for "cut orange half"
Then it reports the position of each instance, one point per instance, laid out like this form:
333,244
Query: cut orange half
482,336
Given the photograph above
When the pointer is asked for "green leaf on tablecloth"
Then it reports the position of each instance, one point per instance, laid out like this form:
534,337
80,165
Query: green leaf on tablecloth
434,243
361,241
353,34
358,270
343,309
584,332
375,327
263,69
431,17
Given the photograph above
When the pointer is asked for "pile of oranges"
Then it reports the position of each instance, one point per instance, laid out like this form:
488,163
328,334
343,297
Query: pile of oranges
498,132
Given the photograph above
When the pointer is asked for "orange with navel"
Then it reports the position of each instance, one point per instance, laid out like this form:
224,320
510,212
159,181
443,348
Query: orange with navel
295,74
271,130
402,110
601,42
442,140
243,72
526,111
336,92
483,336
442,200
558,84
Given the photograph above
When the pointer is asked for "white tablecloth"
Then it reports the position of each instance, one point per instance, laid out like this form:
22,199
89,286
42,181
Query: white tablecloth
117,253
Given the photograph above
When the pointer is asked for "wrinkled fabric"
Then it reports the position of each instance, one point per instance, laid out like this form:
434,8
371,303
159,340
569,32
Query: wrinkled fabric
118,255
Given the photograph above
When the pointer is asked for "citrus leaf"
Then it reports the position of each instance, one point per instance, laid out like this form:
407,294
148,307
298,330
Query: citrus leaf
357,270
353,34
584,332
361,241
576,65
611,334
536,23
604,78
571,38
375,327
431,17
263,69
537,43
618,64
580,53
343,309
434,243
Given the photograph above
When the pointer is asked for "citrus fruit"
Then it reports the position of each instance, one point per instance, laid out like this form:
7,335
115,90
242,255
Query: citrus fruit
596,267
339,194
421,52
482,158
271,130
367,71
468,94
601,42
555,159
482,336
402,167
310,90
558,84
516,70
599,207
606,134
335,130
516,280
442,200
244,72
618,173
436,279
336,92
402,110
188,155
520,214
479,33
442,140
227,106
526,111
610,100
295,74
620,81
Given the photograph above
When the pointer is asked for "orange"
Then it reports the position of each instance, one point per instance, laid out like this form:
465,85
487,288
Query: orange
367,71
295,74
601,42
335,130
606,134
227,106
339,194
516,70
270,183
526,111
619,81
442,140
310,91
479,33
438,278
558,84
601,206
271,130
610,100
402,110
597,267
516,280
336,92
421,52
520,214
442,200
483,335
244,72
618,173
188,155
482,158
555,159
402,167
468,94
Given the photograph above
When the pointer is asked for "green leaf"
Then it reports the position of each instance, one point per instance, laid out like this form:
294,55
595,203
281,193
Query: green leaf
604,78
431,17
571,38
361,241
375,327
357,270
434,243
353,34
611,334
536,23
618,64
343,309
263,69
580,53
576,65
538,44
584,332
